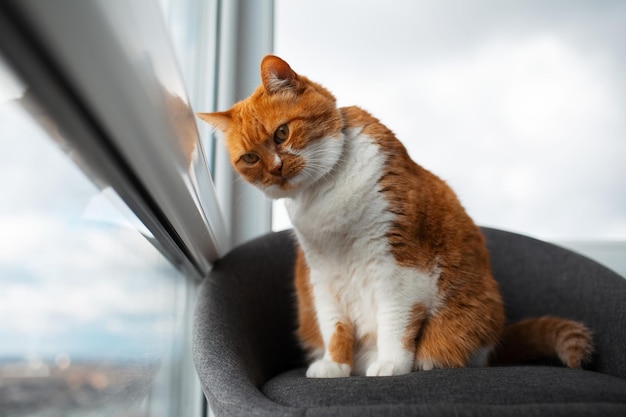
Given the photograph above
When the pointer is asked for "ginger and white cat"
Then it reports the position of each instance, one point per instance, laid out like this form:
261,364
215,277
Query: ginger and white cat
392,275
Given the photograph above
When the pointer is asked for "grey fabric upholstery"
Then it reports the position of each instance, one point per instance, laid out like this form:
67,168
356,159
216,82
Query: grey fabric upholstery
249,363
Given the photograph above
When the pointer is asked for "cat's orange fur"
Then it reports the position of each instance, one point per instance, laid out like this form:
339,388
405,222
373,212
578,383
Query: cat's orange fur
432,227
430,232
252,121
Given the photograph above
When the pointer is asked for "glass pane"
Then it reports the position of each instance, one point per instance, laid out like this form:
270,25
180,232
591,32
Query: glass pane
91,311
518,106
194,36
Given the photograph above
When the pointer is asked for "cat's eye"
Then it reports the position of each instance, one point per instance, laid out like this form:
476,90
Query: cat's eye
250,158
281,134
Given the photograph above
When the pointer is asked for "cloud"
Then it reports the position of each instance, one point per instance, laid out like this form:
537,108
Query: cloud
518,105
107,278
76,276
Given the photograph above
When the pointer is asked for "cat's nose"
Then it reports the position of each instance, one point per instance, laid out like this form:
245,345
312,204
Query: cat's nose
277,170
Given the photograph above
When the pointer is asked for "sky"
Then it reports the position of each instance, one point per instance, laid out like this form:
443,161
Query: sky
518,105
77,280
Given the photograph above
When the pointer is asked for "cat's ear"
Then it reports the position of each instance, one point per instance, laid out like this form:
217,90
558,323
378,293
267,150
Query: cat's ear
277,75
219,120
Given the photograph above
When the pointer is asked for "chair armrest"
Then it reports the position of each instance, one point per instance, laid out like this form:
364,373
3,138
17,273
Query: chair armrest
244,324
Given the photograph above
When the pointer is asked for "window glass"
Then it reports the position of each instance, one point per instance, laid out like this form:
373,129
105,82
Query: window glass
518,106
92,313
194,36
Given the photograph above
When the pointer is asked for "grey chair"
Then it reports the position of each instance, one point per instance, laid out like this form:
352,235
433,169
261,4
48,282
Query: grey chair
250,365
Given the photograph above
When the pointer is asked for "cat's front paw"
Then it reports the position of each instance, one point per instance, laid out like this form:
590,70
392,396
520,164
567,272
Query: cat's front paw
388,368
327,369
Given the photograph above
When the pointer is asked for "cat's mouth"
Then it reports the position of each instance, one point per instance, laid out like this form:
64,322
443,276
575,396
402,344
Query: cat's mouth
281,187
286,179
284,184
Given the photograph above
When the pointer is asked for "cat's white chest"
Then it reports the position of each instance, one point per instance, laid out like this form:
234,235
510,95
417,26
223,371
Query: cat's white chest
342,226
344,216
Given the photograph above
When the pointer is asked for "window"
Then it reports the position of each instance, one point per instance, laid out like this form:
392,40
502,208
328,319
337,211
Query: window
91,309
220,67
193,29
110,215
519,107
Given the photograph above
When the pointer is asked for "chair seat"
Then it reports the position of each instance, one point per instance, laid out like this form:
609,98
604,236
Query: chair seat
455,392
250,364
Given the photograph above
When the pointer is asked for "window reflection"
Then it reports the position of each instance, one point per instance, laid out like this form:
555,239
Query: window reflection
89,307
189,24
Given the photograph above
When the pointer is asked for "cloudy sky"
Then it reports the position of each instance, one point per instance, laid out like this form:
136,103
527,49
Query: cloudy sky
518,105
76,279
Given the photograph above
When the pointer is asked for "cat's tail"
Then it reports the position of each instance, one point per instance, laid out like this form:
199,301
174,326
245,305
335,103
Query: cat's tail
535,338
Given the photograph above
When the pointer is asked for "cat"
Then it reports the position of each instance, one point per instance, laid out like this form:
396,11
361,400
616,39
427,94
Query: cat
392,275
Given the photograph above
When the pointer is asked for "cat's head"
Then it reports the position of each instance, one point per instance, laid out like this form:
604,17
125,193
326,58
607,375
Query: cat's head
286,136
